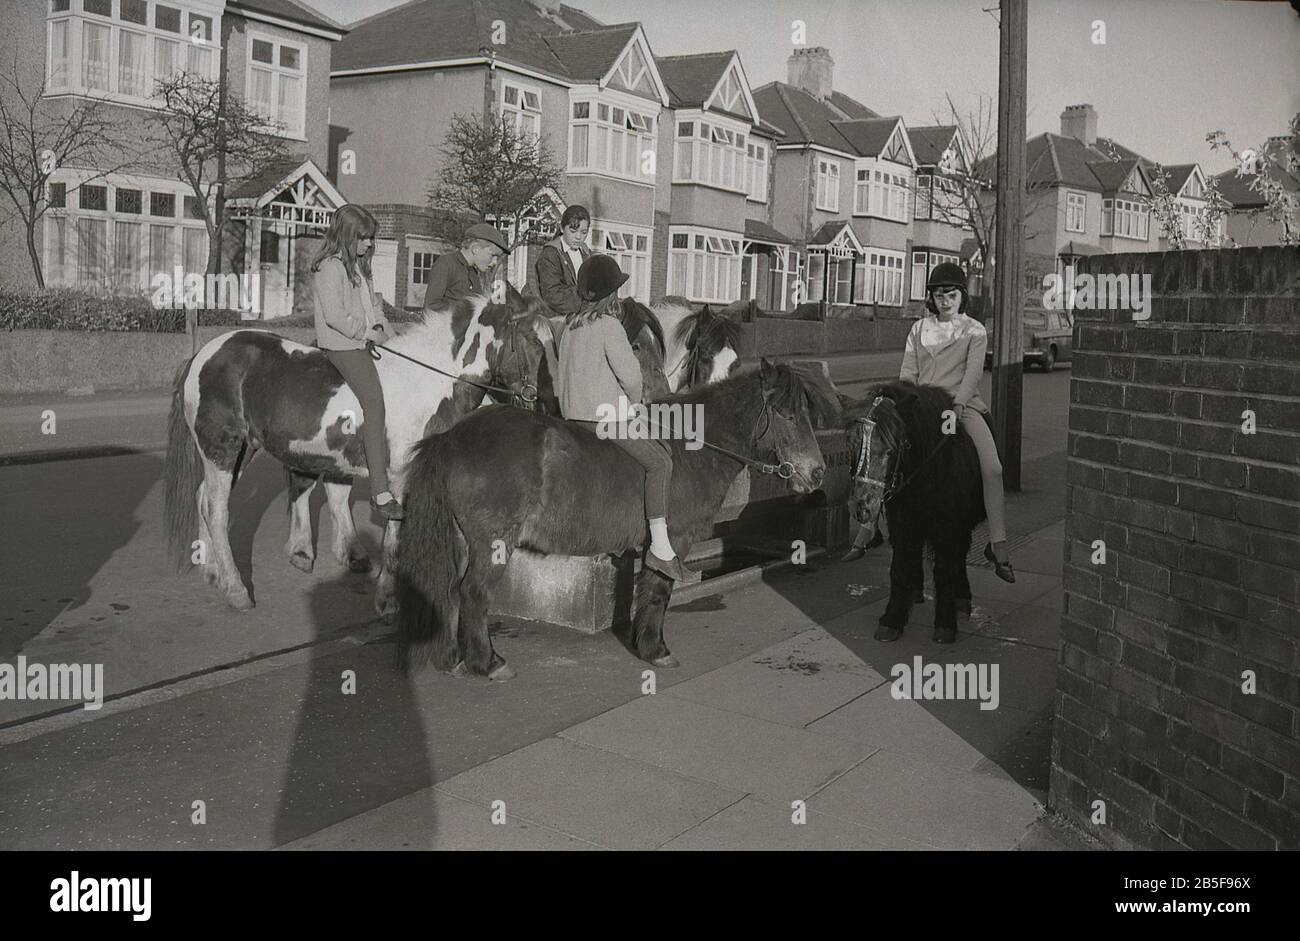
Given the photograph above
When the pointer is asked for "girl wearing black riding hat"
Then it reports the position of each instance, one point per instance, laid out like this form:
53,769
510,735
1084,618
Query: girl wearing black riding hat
597,367
946,349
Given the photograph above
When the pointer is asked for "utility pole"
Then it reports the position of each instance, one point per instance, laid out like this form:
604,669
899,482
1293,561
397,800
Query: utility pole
1009,240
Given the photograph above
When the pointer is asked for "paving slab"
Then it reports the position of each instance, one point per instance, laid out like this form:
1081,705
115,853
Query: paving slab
1041,555
930,803
592,794
790,683
1028,624
739,752
751,824
432,820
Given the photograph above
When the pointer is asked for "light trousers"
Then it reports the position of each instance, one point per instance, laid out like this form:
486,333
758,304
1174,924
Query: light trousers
990,472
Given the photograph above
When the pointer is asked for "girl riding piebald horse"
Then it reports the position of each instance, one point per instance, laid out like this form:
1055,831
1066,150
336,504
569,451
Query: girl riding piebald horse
597,367
347,315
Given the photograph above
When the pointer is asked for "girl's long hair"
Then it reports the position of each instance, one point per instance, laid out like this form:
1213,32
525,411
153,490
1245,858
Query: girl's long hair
589,311
351,222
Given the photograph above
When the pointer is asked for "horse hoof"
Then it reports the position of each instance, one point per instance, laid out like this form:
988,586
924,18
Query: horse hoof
359,565
502,673
460,669
945,635
209,575
888,634
668,662
240,602
302,562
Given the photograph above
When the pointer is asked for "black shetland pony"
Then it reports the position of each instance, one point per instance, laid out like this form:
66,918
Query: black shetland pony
504,478
929,485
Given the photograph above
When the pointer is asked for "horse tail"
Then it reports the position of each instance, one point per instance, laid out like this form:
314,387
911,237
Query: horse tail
182,472
429,565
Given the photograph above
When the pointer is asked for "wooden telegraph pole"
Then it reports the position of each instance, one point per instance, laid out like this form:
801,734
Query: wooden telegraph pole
1009,240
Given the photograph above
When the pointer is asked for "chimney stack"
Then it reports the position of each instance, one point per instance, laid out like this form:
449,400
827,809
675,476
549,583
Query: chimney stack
813,70
1080,122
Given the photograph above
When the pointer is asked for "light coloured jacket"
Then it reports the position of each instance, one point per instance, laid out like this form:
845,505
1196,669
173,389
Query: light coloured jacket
954,363
346,314
597,366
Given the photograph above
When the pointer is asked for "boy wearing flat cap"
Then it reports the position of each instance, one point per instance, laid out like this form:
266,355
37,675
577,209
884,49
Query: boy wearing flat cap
468,270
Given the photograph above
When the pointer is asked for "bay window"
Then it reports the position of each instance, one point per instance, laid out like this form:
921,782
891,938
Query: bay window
120,48
275,82
630,247
880,278
115,235
881,192
609,138
921,209
713,154
704,264
1124,218
522,106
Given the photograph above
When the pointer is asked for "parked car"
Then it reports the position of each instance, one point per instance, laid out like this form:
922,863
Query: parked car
1048,339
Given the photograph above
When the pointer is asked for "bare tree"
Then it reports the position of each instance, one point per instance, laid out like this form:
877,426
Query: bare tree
196,129
496,172
1274,171
39,137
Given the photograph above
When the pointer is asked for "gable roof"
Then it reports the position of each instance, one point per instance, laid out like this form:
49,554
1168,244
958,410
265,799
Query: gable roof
292,10
867,137
930,143
691,79
588,56
270,182
807,120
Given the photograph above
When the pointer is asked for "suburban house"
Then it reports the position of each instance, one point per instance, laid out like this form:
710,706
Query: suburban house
941,218
1246,217
114,231
842,189
1089,195
592,93
722,246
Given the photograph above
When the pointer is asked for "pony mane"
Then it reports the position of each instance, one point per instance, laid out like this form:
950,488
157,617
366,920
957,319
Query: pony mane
704,335
638,316
919,407
429,334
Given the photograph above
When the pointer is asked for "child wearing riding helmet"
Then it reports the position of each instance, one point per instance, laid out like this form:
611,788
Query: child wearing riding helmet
348,313
597,367
946,349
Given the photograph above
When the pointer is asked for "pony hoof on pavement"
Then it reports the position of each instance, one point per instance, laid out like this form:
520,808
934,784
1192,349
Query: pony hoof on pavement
302,562
240,601
668,662
502,672
887,633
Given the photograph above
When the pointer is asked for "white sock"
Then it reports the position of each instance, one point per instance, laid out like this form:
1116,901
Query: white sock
659,543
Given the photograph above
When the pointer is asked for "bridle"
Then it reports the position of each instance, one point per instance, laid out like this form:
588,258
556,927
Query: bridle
862,460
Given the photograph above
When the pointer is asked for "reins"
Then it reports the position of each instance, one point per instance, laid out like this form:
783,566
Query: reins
527,394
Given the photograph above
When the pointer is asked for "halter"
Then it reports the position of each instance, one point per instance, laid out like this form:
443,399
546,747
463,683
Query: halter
862,461
783,469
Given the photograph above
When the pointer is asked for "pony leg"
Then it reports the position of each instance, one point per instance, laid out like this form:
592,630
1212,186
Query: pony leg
475,592
961,590
653,592
902,567
302,554
207,566
386,585
345,545
946,561
214,510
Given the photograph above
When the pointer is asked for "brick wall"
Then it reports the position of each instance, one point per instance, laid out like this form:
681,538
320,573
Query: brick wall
1201,526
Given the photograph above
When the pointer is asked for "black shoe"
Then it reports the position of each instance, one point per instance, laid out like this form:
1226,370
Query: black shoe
1003,570
389,509
854,553
670,568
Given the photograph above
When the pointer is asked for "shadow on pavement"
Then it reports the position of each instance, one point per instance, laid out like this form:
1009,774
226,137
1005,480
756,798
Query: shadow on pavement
63,521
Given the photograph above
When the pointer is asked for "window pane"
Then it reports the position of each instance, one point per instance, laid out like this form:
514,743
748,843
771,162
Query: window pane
134,11
60,6
93,197
58,197
128,200
162,204
131,78
94,55
98,7
578,146
91,252
288,111
201,28
290,58
126,256
162,248
192,210
259,95
195,248
582,109
168,18
166,58
263,51
200,58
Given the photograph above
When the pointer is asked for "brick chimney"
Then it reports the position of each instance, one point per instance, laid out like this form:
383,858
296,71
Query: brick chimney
1079,121
811,69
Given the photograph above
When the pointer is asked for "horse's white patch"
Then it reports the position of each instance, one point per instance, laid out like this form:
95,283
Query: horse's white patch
191,393
722,363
